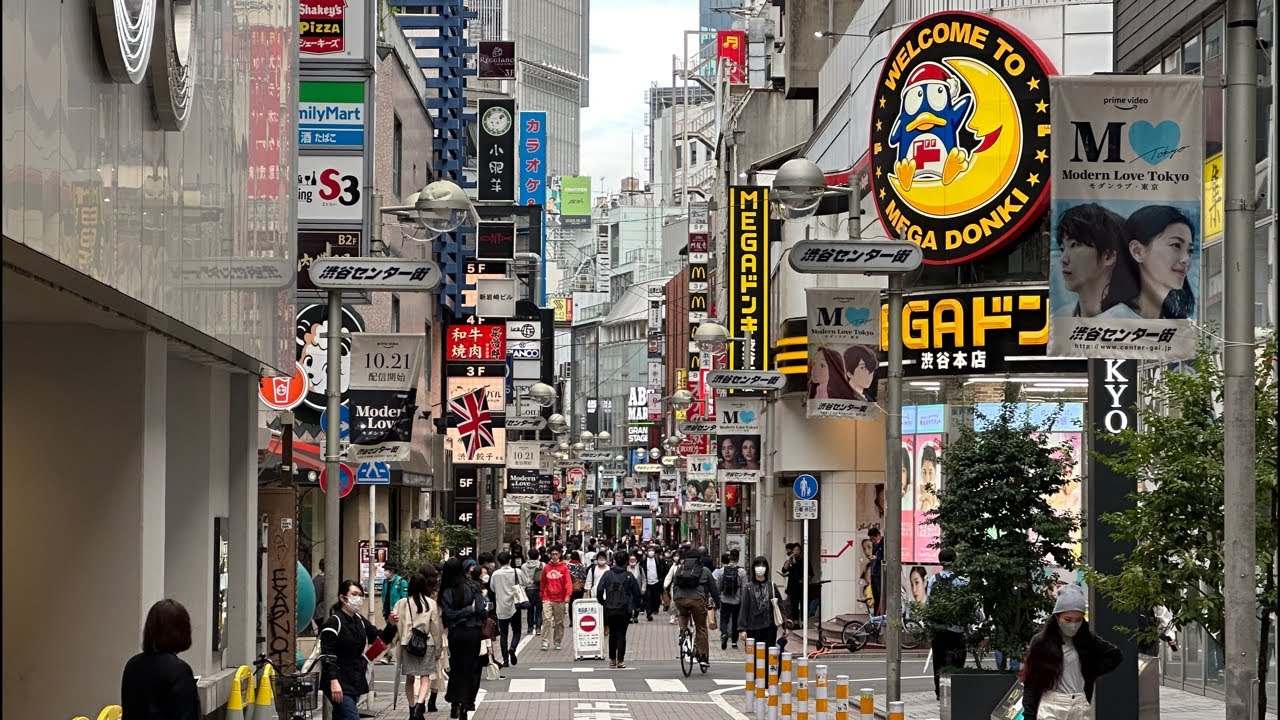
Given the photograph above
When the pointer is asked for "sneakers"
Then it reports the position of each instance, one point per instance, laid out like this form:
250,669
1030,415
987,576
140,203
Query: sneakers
515,660
735,646
621,665
544,646
613,663
557,646
724,642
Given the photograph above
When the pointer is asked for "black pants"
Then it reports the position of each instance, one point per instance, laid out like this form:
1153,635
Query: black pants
513,624
618,624
876,581
794,601
729,622
948,651
464,665
767,635
652,599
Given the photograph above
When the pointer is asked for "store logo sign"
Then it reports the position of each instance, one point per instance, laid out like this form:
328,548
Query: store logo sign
152,39
960,136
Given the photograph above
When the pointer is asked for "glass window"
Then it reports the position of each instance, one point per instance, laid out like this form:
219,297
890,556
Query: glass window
397,155
1191,56
1154,69
1171,63
1213,39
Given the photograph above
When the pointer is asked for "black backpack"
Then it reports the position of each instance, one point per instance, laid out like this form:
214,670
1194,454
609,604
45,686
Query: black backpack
729,580
616,598
942,584
689,576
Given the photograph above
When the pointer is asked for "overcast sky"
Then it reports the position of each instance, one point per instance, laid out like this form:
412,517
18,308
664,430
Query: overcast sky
632,42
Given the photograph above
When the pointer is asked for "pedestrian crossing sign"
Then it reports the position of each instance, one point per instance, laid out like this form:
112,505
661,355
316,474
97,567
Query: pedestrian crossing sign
374,473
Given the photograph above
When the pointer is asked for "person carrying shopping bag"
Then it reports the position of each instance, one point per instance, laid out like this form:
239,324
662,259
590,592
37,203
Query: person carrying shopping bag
420,638
509,601
1064,662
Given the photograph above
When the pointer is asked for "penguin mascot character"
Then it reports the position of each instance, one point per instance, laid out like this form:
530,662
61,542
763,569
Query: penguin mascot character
926,132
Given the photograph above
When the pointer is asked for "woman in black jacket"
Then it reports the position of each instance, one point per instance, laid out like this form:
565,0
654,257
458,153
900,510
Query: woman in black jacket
755,613
157,684
462,608
343,639
1064,662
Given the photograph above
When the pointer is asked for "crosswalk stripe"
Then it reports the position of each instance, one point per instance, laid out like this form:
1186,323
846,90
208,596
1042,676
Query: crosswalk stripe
528,685
725,682
596,685
666,685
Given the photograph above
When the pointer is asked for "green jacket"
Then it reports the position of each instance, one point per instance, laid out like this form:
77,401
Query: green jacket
392,591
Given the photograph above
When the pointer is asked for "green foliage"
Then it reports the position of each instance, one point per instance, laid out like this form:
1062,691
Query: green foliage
994,512
431,547
1177,522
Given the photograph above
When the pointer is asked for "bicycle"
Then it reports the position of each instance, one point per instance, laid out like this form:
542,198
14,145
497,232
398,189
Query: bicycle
688,648
856,633
825,645
295,693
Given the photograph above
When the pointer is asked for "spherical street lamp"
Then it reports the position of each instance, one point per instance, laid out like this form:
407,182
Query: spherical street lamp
711,337
442,207
578,447
682,399
604,437
563,445
798,188
672,442
558,424
587,437
654,453
543,394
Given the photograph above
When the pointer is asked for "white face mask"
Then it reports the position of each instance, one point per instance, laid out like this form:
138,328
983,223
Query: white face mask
355,603
603,563
760,572
484,577
650,553
1069,629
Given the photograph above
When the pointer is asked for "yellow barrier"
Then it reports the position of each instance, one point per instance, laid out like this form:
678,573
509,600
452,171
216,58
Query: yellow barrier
241,697
111,712
265,703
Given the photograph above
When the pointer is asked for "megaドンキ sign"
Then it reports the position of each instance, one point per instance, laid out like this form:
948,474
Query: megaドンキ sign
960,136
748,275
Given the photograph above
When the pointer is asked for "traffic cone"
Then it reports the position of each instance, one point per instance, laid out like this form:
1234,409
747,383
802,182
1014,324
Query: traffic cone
237,702
264,703
111,712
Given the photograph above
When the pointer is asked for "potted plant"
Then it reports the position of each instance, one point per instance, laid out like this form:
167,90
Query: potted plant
994,512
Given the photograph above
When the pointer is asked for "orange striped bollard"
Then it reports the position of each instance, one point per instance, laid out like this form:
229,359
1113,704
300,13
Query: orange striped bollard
784,687
761,680
867,703
897,710
772,713
750,669
842,697
802,692
820,684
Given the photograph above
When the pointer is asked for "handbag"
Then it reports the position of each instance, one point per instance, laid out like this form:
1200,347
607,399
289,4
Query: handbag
418,640
491,672
777,611
521,598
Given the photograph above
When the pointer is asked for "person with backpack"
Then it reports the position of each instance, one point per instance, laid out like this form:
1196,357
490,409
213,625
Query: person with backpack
619,594
760,610
695,593
578,576
463,611
420,637
947,641
729,579
531,576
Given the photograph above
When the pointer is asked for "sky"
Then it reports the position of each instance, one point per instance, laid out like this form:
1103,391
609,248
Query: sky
632,42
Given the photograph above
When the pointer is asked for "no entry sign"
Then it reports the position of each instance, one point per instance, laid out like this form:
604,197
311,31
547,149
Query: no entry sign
588,623
588,634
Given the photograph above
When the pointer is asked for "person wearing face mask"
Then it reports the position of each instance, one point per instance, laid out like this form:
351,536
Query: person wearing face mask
655,569
463,611
760,610
394,588
633,567
1064,662
599,567
343,639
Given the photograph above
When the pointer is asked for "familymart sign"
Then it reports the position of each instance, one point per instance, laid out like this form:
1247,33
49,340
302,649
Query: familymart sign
331,114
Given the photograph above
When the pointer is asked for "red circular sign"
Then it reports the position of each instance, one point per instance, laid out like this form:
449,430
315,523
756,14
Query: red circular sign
577,475
348,481
587,623
283,393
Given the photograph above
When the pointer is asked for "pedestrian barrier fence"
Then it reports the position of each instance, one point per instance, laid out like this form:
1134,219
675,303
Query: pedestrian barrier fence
240,704
842,697
771,692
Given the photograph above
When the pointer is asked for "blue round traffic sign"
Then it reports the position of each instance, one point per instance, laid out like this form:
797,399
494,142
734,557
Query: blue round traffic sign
540,520
344,422
346,475
806,487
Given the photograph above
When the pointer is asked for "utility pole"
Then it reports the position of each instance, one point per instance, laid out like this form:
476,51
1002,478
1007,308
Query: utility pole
332,449
1240,410
892,575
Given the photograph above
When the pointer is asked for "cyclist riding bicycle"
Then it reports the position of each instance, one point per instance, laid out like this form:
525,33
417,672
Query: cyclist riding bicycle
695,592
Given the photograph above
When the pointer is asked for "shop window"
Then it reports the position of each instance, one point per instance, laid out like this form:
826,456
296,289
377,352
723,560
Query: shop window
1191,56
1171,63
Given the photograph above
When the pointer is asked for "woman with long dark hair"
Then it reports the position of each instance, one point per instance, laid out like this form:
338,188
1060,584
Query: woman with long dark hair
431,574
418,611
827,378
463,610
1151,276
1064,661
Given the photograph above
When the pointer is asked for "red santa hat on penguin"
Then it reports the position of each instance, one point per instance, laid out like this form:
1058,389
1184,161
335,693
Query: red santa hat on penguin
932,72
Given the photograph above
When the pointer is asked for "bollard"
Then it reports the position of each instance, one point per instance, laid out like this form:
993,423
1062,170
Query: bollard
772,714
802,692
761,681
820,684
750,694
867,703
897,710
265,702
784,687
842,697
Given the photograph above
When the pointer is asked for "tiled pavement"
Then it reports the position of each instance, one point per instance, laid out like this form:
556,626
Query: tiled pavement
1174,705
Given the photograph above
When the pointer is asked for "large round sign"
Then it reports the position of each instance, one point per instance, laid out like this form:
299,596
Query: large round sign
960,136
576,475
348,480
587,623
283,393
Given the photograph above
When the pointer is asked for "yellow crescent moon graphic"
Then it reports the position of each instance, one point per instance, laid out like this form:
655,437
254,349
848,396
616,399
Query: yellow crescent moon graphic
989,171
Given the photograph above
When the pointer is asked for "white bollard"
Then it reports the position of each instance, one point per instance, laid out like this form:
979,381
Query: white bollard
842,697
802,692
787,711
867,704
897,710
749,701
820,684
772,713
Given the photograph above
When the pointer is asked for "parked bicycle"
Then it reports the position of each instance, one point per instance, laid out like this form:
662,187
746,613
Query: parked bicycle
297,694
856,633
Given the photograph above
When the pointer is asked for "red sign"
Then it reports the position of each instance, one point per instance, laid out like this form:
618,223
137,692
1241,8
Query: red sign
698,242
284,393
266,47
587,623
694,445
480,342
577,475
348,480
320,26
731,48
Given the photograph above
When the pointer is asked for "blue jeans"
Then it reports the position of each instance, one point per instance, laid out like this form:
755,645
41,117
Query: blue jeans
535,609
346,710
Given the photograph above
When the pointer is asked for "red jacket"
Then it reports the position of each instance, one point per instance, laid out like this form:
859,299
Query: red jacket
556,583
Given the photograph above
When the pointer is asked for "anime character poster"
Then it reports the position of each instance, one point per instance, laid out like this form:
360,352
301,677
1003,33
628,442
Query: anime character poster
843,335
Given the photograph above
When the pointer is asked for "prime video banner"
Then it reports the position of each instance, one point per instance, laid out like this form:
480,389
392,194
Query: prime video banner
1124,261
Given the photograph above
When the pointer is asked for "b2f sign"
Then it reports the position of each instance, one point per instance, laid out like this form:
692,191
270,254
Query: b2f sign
330,188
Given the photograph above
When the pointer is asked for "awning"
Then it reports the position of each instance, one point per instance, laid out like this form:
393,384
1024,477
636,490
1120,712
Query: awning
305,455
627,511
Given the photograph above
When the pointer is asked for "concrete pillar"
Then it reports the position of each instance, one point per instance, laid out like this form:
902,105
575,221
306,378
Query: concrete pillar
242,478
836,512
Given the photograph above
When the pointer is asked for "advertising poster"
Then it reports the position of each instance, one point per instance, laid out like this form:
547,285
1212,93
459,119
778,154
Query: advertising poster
330,114
472,434
533,158
868,514
496,60
908,507
701,489
748,263
1125,222
928,472
332,29
575,201
311,339
384,371
330,188
844,333
738,439
496,150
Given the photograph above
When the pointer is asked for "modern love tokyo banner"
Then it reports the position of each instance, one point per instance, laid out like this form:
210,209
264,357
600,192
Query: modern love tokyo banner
1125,218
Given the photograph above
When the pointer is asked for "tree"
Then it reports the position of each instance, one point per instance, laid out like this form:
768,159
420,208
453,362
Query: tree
994,512
1177,520
437,542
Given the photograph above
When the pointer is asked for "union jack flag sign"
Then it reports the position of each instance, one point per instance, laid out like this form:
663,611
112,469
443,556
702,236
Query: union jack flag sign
473,420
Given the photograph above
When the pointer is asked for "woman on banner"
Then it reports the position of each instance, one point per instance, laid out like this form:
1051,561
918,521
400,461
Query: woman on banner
1151,280
827,378
928,488
729,457
860,365
751,453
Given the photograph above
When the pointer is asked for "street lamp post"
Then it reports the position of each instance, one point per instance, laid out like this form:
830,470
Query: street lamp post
713,337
